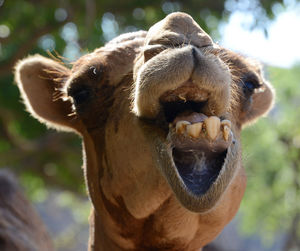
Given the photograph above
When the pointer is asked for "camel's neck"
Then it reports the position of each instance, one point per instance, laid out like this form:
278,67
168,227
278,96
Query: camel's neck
135,207
171,228
99,240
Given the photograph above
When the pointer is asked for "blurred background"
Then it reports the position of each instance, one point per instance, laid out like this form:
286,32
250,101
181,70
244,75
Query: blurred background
48,163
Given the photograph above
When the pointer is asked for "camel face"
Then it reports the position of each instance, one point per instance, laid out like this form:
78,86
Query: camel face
160,114
196,95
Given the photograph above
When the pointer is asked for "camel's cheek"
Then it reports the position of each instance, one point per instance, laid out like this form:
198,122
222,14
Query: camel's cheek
131,171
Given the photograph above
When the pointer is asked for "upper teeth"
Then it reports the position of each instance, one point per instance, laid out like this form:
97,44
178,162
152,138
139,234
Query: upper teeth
226,122
181,126
194,130
226,131
226,125
212,125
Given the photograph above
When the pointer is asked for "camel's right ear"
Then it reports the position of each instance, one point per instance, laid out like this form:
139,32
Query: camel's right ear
39,80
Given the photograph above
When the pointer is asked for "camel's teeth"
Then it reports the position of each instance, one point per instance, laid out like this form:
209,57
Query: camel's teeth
181,126
212,125
194,130
226,122
226,131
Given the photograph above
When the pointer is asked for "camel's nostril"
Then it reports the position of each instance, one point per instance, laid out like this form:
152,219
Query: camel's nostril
195,57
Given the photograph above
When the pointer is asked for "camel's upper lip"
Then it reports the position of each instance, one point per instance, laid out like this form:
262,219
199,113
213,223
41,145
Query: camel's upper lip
185,99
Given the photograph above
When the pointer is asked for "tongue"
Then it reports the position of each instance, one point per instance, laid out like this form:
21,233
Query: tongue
190,117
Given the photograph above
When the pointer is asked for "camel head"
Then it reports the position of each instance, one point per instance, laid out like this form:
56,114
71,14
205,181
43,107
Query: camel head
194,98
160,114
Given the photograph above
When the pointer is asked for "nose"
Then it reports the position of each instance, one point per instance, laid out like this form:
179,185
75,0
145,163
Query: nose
178,28
183,68
209,82
212,76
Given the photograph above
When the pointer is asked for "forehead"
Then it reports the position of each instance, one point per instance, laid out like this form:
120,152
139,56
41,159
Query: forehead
90,63
112,62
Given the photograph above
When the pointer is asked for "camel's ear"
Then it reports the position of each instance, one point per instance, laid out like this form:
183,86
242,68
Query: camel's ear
39,80
261,103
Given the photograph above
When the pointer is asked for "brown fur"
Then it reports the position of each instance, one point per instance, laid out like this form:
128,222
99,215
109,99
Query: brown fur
139,202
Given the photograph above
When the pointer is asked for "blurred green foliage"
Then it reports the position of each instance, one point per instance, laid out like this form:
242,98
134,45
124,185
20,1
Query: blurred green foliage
71,28
272,160
43,158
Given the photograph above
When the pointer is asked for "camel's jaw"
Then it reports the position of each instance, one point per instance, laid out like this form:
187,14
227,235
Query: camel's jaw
198,168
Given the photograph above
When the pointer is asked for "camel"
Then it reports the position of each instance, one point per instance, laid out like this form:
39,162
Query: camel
160,114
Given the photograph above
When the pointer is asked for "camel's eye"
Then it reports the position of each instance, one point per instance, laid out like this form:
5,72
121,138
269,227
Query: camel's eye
80,95
249,86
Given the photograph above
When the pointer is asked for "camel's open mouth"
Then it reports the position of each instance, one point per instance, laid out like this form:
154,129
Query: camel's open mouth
199,143
199,148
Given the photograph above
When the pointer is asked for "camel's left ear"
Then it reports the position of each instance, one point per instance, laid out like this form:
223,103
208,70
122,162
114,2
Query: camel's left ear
261,103
39,80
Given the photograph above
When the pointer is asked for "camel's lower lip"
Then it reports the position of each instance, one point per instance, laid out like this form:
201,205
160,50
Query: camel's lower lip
199,169
199,183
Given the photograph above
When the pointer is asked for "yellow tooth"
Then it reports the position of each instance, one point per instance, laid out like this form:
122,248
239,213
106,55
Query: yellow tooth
181,125
194,130
212,125
226,131
226,122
